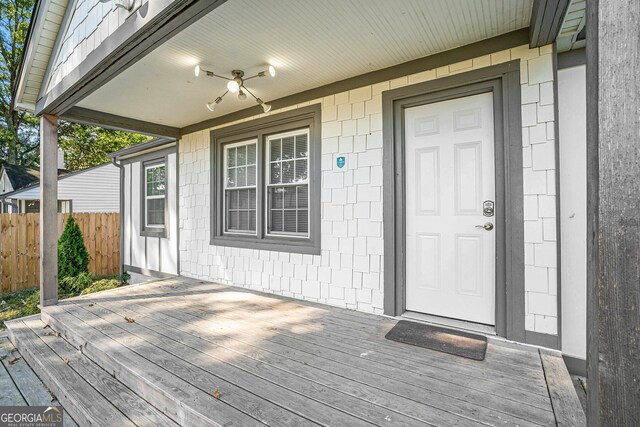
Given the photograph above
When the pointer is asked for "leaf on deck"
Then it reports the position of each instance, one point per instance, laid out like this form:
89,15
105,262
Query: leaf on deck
91,305
216,393
14,360
130,319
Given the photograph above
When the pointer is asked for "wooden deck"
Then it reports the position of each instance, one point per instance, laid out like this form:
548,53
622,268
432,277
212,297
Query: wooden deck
207,354
20,385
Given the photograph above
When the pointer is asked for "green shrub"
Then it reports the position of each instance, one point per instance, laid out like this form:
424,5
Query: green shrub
123,278
18,304
73,257
74,284
103,285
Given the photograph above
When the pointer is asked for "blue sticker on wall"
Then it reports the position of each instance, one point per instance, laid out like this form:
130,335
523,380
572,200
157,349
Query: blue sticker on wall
341,161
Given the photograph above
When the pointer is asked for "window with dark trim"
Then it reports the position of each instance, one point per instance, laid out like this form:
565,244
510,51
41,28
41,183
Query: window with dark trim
266,183
154,198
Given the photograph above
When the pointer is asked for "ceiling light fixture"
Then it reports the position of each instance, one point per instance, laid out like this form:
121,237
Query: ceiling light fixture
235,84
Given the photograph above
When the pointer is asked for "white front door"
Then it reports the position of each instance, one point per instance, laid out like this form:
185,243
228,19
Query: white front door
450,173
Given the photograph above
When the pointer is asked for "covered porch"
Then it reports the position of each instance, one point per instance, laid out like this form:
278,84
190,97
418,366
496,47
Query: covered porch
206,354
134,70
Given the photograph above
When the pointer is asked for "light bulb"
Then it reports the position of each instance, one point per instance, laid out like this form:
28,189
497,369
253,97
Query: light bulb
266,107
241,95
211,106
196,71
272,71
233,86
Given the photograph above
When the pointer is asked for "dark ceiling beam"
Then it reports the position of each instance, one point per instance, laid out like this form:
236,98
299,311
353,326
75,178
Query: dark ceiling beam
546,19
111,121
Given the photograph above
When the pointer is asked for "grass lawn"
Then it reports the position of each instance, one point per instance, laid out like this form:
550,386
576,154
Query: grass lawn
25,303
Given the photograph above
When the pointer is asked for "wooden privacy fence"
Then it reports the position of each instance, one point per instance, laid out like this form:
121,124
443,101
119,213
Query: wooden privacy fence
20,246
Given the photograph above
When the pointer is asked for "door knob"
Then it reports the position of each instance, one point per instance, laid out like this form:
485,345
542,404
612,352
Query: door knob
487,226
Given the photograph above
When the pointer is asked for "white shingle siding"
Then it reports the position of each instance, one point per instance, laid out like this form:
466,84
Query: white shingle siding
94,190
90,23
349,271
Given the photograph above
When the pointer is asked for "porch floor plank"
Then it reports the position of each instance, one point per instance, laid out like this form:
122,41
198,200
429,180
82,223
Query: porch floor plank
10,395
347,372
278,361
88,406
130,404
332,334
208,374
566,404
33,391
234,349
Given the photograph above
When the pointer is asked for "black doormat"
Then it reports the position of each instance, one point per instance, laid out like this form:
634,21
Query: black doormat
463,344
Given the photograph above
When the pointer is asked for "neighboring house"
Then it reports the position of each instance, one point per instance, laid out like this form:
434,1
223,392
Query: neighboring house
13,177
93,189
412,159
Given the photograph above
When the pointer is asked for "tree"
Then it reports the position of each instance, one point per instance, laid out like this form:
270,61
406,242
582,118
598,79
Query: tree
86,146
73,257
18,130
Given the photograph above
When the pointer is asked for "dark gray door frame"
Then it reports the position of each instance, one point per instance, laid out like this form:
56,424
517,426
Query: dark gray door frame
504,82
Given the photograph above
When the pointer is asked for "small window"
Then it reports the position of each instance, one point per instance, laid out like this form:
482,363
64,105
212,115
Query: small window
240,182
266,183
155,198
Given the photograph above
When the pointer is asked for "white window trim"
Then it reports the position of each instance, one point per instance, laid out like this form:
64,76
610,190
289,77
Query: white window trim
246,187
267,185
147,197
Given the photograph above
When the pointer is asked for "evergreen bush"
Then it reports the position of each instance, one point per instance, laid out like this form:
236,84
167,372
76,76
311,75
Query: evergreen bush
73,258
73,284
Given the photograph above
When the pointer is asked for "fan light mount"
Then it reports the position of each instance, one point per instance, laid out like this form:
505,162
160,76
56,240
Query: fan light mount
235,84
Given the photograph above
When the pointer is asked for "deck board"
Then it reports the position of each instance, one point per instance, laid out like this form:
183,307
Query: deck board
490,368
451,397
279,361
378,396
374,344
132,406
33,391
566,404
165,385
286,390
86,401
10,395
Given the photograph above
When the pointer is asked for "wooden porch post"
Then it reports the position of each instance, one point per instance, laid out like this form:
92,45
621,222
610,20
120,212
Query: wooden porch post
613,164
48,210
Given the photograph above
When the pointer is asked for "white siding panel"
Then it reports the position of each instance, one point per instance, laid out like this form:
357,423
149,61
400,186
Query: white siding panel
169,246
127,215
153,253
5,184
573,208
138,258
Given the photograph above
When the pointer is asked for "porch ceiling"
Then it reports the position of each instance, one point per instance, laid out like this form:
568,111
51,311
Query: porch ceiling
310,43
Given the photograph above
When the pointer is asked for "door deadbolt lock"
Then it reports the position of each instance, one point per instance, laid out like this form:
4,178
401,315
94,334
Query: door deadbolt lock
487,208
487,226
